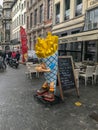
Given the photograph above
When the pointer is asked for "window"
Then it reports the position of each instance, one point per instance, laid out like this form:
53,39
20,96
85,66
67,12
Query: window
35,17
31,2
18,35
48,9
27,22
7,36
41,13
91,21
24,4
22,19
95,24
63,34
75,32
8,13
90,50
34,41
19,5
67,4
7,26
31,19
57,6
27,5
30,41
71,49
67,9
78,7
75,50
19,19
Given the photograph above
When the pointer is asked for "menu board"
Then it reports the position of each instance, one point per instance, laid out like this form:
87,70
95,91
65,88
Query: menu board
66,73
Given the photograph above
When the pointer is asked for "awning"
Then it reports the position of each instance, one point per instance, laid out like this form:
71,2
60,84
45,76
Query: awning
83,36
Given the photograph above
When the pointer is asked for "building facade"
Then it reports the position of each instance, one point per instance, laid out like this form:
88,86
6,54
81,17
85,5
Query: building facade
1,28
76,24
18,19
7,23
39,19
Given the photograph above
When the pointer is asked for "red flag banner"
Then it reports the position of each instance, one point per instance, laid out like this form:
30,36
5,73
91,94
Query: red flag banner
24,47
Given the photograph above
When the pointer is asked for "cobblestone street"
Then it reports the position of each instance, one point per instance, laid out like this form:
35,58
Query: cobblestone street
19,110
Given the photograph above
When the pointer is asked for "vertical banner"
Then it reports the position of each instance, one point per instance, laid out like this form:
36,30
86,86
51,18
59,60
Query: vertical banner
24,47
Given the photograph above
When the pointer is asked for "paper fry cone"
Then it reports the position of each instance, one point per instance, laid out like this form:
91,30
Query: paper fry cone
52,63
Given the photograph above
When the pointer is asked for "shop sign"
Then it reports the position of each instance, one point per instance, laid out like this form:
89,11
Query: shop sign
67,40
92,2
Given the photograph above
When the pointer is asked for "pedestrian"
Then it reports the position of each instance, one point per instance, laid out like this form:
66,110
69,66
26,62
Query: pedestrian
8,56
13,55
18,55
3,56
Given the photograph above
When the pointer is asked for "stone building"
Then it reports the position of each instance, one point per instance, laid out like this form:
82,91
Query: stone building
39,19
1,11
1,28
7,23
76,24
18,19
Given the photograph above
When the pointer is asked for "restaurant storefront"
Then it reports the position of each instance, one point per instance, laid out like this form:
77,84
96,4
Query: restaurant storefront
82,46
78,35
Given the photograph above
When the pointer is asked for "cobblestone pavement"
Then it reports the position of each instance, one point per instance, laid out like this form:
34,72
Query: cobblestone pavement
19,110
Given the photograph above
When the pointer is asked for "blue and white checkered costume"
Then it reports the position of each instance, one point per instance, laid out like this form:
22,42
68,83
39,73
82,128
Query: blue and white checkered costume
52,75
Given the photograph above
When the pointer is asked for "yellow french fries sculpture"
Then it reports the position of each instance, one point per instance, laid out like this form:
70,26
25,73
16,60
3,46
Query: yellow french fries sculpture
47,50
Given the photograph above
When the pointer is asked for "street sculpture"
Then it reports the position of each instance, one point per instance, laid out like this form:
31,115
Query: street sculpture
47,50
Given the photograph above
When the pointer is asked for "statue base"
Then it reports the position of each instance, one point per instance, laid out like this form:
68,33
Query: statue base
47,101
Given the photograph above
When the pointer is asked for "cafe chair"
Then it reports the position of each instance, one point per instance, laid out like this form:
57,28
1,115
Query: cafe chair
87,74
95,74
31,70
28,64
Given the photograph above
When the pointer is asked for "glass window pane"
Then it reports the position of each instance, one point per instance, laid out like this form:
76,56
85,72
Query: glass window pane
78,9
58,13
67,9
67,4
91,21
91,16
96,17
79,2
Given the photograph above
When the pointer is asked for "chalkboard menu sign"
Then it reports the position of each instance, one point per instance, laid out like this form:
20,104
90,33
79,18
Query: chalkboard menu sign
66,73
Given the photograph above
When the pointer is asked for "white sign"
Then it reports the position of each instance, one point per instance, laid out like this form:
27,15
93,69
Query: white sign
67,40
